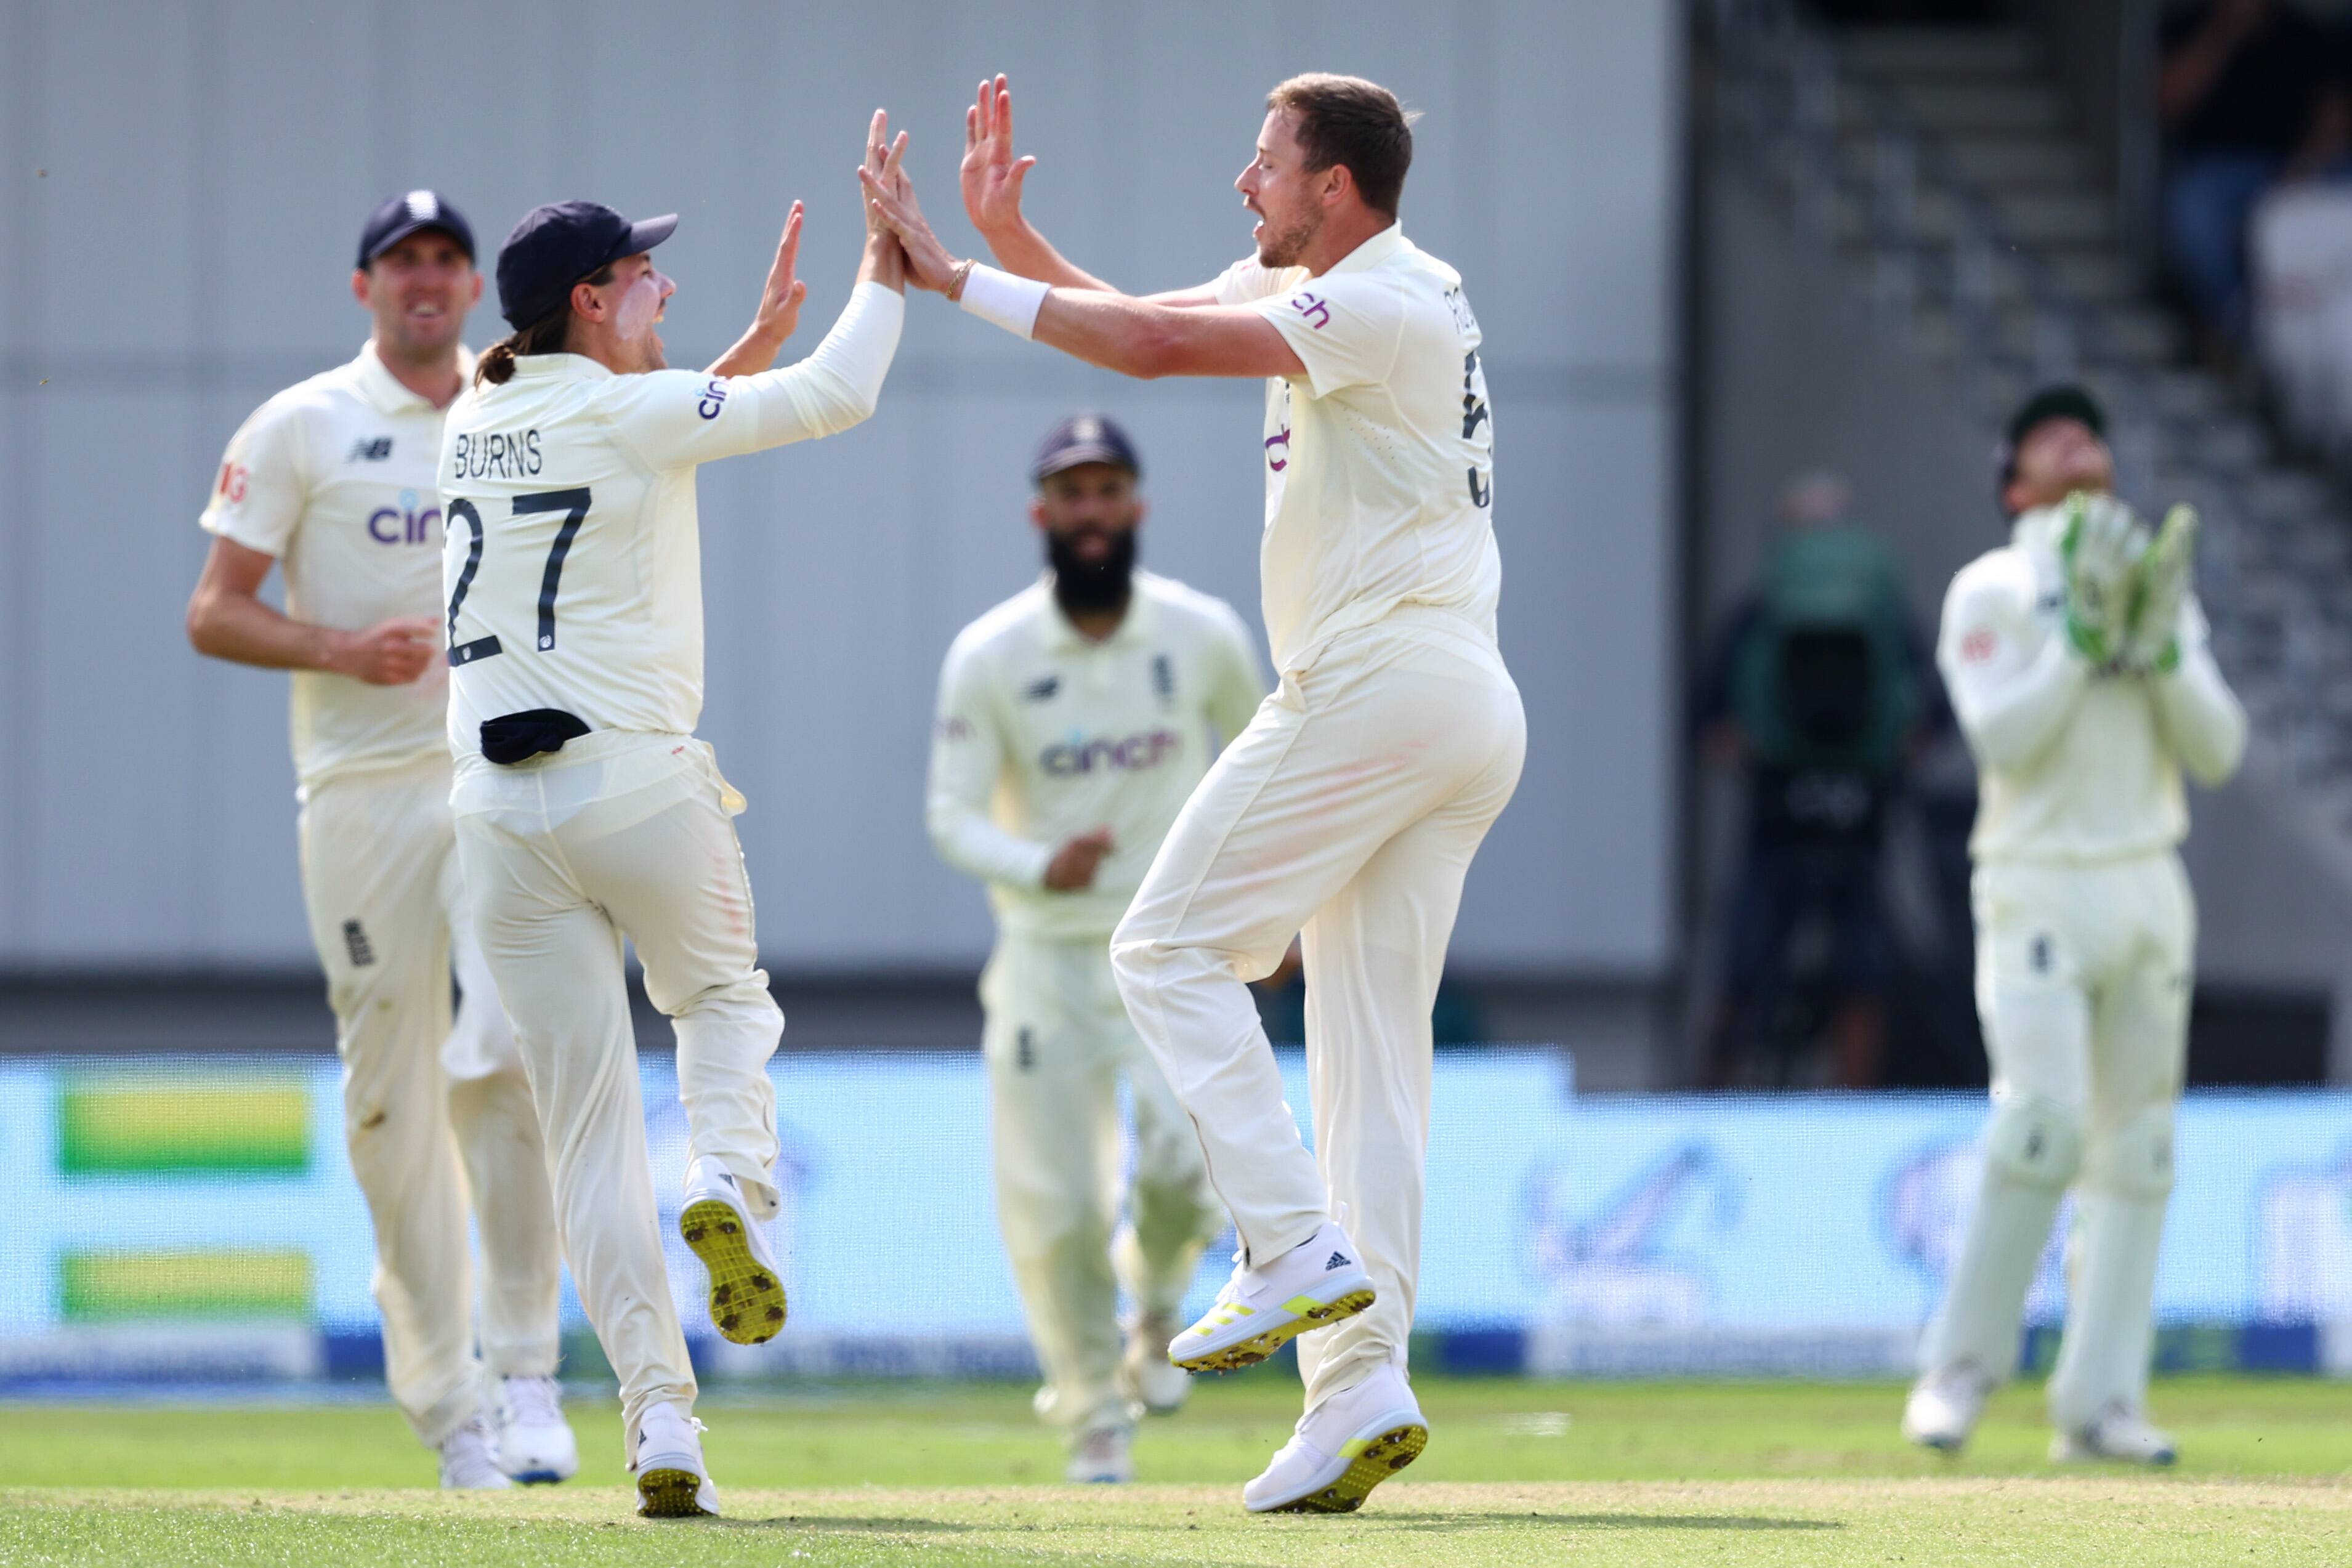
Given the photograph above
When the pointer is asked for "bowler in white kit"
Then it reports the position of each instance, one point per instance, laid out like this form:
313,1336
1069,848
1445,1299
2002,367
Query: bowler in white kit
1348,812
334,479
587,811
1074,719
2077,663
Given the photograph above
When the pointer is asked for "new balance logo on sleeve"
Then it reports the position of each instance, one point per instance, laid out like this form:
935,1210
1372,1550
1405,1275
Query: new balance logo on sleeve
370,449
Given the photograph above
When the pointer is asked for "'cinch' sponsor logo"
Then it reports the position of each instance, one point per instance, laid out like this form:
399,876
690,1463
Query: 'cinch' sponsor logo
406,523
1130,754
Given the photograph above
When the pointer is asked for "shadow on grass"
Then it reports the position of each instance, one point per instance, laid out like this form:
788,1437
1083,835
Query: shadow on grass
836,1524
1604,1520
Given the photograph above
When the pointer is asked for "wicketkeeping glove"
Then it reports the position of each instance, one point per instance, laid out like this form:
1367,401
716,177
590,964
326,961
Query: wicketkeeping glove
2098,551
2159,585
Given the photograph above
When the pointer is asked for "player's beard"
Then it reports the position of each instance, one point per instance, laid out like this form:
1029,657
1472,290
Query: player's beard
1088,587
1288,248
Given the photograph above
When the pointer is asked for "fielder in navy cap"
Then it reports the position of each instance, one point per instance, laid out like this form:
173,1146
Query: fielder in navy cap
1083,438
397,217
558,245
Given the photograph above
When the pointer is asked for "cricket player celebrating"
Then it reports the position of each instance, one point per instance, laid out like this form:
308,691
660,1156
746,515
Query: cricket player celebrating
586,809
334,477
1074,719
2077,664
1352,804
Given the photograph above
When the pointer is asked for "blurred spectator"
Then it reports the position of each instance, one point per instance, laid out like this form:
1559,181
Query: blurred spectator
2249,92
1815,689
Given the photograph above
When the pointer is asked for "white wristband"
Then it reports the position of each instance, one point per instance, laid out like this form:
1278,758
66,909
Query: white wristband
1009,301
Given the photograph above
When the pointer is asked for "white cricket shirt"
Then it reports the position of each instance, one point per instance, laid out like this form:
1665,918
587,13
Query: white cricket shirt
573,574
2077,765
334,477
1380,460
1043,734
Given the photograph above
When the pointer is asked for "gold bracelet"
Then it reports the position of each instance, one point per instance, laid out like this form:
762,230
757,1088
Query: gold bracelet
963,275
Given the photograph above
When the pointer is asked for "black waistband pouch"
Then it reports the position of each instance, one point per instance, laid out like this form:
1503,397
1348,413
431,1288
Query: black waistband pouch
512,738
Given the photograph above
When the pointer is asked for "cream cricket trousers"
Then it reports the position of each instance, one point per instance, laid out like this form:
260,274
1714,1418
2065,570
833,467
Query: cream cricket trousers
624,834
2083,985
431,1112
1058,1043
1350,806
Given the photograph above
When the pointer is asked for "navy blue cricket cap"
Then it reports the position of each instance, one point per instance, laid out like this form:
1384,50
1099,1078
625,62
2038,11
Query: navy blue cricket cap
397,217
1083,438
558,245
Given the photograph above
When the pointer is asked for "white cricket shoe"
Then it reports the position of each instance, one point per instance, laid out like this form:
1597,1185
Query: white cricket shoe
1100,1457
2118,1432
535,1443
747,1288
1343,1448
470,1459
1944,1405
672,1480
1145,1373
1262,1310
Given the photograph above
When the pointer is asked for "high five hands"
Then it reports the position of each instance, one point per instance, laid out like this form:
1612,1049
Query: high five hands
890,203
990,174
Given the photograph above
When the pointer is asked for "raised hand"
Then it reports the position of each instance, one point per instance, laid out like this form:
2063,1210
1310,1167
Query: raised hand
2099,551
2161,583
878,160
780,301
890,195
990,174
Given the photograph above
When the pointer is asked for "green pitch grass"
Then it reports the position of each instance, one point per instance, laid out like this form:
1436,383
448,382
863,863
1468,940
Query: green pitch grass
1516,1472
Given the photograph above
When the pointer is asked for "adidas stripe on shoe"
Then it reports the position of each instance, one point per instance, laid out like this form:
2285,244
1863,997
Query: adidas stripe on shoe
1262,1310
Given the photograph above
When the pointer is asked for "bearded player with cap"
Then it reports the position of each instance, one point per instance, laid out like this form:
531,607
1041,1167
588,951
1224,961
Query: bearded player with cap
1348,812
1074,719
2077,664
334,478
587,811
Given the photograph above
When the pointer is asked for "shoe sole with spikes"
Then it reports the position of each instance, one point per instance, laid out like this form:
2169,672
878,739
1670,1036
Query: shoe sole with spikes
747,1299
671,1492
1301,1313
1376,1461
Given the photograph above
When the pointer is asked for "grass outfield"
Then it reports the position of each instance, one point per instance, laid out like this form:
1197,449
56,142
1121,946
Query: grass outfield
1516,1472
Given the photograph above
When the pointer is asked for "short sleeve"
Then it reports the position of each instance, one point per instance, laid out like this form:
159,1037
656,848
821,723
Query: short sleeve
1344,330
1246,281
259,491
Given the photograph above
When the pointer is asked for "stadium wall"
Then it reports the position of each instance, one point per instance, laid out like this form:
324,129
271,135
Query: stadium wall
184,181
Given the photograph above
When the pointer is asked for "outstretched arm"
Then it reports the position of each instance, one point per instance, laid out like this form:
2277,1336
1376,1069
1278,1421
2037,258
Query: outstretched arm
991,179
1135,337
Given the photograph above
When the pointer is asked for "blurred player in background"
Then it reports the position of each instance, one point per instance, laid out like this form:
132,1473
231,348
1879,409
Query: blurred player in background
1353,803
587,812
334,477
2076,660
1074,719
